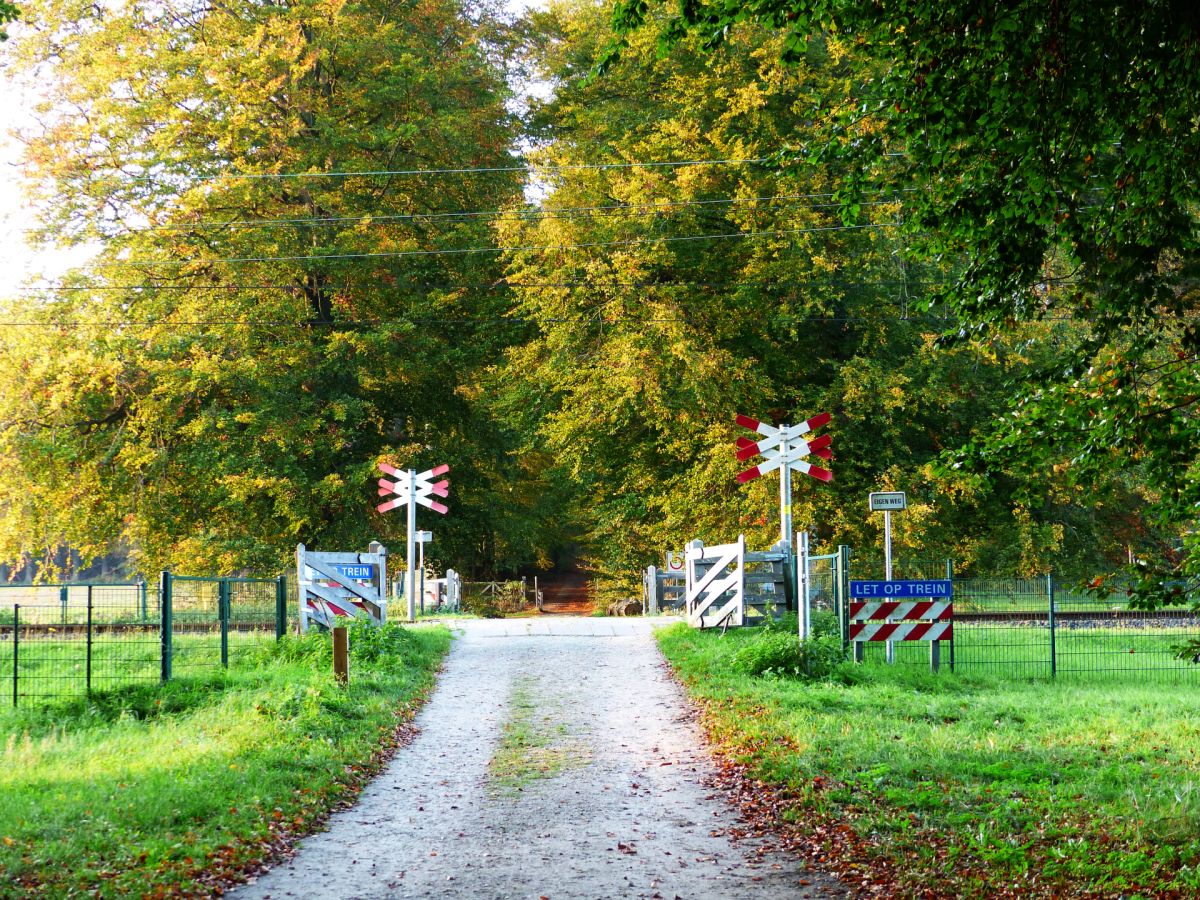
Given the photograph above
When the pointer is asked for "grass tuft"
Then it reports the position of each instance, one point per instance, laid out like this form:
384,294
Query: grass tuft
534,743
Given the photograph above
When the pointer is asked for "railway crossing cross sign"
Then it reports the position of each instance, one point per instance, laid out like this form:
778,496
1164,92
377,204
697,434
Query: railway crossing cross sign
412,488
784,447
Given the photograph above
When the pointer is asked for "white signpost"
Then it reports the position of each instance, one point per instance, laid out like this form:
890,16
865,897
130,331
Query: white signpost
885,502
423,538
412,488
802,586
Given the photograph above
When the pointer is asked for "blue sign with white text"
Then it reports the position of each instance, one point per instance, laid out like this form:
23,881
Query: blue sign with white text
901,590
361,572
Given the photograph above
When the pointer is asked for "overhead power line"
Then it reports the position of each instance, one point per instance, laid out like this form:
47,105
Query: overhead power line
469,170
615,210
397,254
431,320
498,285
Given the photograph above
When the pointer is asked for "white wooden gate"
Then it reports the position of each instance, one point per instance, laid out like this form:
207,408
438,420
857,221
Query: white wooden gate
716,584
337,586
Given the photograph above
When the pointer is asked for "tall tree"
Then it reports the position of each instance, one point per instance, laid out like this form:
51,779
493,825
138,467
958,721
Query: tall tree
669,298
1053,146
262,325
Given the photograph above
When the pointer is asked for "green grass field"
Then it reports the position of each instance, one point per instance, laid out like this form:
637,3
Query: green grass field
153,790
975,785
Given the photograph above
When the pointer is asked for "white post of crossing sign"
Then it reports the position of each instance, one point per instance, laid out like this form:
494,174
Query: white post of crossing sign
783,448
423,538
412,487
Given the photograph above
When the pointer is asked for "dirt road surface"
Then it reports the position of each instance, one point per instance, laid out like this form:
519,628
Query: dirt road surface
556,759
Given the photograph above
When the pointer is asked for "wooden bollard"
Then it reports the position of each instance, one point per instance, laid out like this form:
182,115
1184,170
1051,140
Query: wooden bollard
341,656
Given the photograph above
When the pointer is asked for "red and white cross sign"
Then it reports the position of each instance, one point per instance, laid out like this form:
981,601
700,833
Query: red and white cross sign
418,486
784,445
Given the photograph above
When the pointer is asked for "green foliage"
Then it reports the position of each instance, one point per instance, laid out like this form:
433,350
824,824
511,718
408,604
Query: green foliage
1189,651
774,652
274,348
1051,149
378,647
8,13
494,600
649,341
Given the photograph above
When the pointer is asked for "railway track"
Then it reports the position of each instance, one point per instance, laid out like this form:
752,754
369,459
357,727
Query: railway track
1161,618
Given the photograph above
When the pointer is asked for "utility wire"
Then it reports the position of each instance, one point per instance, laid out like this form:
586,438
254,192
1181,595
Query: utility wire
376,323
472,170
520,248
562,213
502,284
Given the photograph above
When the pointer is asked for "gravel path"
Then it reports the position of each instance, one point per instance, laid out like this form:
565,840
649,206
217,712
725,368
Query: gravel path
623,812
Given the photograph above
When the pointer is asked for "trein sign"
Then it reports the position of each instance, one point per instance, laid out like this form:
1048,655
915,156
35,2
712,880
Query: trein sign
874,590
362,572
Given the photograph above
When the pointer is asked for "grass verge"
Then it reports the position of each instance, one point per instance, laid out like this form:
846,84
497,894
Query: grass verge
964,786
177,789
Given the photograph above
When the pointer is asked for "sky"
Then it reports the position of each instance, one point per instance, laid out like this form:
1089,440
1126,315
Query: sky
18,261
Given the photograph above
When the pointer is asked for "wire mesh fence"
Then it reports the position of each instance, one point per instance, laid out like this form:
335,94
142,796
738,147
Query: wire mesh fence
73,640
216,621
1046,627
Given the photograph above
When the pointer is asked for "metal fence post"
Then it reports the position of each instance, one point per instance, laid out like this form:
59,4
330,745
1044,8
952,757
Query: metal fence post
950,578
88,670
164,599
842,589
142,591
1053,646
16,646
223,616
280,607
63,598
935,647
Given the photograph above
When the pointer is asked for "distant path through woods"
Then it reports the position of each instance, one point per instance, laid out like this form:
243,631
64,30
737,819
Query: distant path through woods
558,759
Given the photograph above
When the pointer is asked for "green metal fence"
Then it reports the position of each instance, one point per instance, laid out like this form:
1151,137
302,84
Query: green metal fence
75,639
1046,627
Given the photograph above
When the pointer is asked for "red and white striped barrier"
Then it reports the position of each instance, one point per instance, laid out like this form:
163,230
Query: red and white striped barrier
877,621
902,631
919,609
